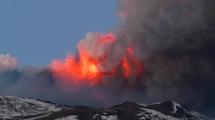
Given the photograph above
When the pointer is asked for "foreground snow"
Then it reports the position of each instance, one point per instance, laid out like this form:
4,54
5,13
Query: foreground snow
29,109
13,106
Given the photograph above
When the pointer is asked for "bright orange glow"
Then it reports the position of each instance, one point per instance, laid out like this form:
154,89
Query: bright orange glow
88,69
84,69
126,68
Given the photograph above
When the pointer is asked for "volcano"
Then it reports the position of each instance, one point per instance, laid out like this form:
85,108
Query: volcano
160,50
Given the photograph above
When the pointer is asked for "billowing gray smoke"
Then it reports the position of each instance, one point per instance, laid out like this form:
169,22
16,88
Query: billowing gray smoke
176,40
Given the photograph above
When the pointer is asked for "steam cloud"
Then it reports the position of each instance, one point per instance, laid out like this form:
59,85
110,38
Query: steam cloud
7,62
174,39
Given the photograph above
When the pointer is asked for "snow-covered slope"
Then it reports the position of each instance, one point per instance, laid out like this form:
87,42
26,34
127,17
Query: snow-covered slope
12,107
169,110
29,109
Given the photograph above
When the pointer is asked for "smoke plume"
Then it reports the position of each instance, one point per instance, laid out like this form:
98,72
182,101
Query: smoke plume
176,40
161,50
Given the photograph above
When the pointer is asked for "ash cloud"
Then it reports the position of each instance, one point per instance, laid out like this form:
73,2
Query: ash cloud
176,40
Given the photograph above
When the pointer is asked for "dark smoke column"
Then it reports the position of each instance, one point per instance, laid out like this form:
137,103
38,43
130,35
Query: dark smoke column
176,40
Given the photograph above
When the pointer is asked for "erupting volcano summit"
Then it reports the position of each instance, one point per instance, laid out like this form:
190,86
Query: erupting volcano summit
94,61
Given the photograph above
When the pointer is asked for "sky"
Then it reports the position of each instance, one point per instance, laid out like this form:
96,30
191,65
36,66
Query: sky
38,31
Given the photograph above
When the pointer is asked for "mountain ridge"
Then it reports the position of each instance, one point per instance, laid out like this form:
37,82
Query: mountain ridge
16,108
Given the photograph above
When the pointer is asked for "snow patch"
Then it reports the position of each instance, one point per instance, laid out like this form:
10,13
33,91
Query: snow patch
109,117
95,116
175,105
72,117
152,114
41,116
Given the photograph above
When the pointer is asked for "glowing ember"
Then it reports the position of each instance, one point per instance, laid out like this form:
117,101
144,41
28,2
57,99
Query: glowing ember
92,59
126,68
